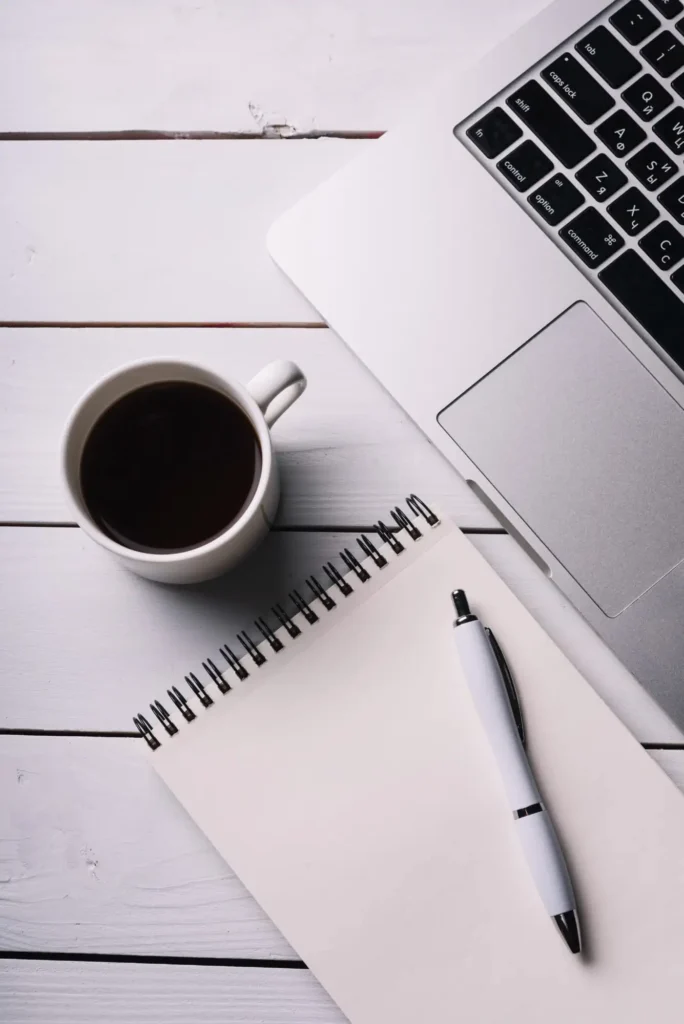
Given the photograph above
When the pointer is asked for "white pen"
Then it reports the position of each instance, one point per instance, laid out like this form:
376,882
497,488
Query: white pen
493,693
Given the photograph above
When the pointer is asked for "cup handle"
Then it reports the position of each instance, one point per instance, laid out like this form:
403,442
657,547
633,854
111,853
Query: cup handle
276,387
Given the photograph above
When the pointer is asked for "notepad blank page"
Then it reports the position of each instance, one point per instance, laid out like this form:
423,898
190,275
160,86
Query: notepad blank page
353,792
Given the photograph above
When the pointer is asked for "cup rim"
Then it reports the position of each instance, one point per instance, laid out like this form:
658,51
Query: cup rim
247,403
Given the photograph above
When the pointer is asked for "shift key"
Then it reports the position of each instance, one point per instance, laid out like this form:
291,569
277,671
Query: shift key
551,124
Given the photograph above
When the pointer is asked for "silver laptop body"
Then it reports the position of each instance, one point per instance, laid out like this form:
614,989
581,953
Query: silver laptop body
510,264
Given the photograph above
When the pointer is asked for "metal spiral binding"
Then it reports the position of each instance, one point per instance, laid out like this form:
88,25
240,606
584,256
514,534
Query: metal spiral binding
355,570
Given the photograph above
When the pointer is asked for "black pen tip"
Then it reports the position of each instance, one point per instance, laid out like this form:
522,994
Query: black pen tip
568,926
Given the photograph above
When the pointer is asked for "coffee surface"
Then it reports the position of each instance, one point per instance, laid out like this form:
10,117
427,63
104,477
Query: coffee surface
169,466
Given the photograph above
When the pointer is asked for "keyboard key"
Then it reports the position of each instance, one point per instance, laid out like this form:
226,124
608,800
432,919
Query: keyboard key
664,245
665,53
495,132
646,296
668,8
635,22
556,199
633,211
601,178
671,129
679,25
578,88
550,123
525,166
620,133
672,199
652,166
678,279
609,57
591,237
647,98
678,85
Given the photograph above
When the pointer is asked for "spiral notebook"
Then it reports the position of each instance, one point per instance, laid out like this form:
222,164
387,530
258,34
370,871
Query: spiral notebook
339,768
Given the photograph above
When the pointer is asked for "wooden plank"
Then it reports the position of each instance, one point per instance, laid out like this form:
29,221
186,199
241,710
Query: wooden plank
32,992
158,232
84,644
98,859
105,65
348,451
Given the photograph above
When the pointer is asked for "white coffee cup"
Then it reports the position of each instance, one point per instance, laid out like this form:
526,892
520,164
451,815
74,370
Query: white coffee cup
263,401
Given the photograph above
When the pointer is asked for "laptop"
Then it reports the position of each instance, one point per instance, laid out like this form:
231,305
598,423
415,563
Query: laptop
509,263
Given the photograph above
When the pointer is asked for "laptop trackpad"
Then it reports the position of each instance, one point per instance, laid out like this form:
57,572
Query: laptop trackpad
588,448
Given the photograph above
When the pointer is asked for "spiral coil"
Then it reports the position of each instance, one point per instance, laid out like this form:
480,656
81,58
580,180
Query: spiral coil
340,586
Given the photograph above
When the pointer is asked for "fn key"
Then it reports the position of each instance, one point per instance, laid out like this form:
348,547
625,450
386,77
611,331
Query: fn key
494,132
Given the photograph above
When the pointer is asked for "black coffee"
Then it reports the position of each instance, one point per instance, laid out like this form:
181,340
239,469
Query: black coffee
169,466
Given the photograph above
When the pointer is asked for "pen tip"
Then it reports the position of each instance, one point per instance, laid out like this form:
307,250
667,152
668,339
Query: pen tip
460,603
568,926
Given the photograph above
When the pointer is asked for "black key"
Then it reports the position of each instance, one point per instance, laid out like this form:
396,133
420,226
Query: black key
646,296
678,85
547,119
591,237
494,132
525,166
652,166
556,199
664,245
668,8
578,88
672,199
671,129
679,25
678,279
608,56
665,53
620,133
633,211
635,22
647,98
601,178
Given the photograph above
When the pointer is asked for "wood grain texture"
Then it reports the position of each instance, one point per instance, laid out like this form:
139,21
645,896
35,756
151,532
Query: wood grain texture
71,993
85,644
108,65
158,232
97,857
346,449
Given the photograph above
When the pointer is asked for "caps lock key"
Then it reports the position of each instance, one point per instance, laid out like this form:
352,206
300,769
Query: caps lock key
578,88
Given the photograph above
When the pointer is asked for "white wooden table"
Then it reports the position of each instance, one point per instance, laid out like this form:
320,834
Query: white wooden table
145,148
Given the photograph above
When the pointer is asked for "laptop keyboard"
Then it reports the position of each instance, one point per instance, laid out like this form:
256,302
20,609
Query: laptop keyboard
591,143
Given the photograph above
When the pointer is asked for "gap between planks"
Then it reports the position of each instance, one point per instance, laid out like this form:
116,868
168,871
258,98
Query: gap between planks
239,325
67,525
123,958
125,735
270,133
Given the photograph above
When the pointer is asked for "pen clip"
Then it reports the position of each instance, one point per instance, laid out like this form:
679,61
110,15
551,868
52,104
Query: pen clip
508,683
